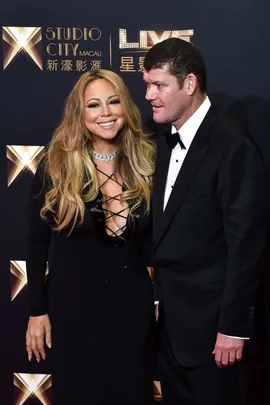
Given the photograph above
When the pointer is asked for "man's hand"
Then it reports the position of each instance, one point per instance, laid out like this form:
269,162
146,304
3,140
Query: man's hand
227,350
157,311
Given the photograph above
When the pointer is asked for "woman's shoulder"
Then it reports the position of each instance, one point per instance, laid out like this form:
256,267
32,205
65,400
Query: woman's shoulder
42,181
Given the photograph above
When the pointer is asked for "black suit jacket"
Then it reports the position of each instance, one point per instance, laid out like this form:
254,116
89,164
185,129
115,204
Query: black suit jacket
210,239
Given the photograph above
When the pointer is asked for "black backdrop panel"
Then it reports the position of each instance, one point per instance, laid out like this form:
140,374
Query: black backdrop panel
68,38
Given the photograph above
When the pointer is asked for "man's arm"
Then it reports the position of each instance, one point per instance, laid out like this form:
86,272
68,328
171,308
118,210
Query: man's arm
245,219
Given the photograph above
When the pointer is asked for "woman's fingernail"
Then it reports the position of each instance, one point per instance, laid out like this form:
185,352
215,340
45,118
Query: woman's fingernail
38,360
29,358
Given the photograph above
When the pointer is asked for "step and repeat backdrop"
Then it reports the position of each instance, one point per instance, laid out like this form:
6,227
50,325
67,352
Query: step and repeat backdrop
43,51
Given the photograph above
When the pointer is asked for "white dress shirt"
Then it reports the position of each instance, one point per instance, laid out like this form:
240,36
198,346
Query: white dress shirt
187,133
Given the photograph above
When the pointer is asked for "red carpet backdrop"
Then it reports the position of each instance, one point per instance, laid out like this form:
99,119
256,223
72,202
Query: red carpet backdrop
44,48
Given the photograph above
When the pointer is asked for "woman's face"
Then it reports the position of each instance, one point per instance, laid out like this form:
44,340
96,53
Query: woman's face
104,115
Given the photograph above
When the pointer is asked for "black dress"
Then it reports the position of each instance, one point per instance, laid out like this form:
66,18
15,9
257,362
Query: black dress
98,295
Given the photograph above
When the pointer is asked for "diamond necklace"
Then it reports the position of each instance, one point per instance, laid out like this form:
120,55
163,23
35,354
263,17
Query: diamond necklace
104,156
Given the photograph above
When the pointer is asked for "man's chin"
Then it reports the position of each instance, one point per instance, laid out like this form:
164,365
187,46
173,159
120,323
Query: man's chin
158,119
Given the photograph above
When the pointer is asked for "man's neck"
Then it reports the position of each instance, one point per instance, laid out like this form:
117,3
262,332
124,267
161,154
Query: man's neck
196,103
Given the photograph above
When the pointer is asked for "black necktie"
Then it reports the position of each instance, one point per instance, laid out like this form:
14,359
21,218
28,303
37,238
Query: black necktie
173,139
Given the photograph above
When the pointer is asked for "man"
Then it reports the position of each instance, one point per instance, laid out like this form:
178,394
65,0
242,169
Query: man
209,231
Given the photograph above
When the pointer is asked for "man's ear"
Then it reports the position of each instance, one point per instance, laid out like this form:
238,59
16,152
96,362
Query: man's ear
190,84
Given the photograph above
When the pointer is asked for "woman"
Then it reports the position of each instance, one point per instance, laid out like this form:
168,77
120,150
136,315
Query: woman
89,214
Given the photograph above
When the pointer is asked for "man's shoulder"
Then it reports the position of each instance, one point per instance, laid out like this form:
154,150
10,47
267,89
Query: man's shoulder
229,130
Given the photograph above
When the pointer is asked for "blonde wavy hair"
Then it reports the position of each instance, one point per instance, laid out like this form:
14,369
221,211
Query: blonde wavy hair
69,165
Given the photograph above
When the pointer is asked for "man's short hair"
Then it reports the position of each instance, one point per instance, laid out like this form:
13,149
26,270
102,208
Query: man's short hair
181,57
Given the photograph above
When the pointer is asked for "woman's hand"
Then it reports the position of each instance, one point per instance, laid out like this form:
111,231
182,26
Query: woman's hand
38,332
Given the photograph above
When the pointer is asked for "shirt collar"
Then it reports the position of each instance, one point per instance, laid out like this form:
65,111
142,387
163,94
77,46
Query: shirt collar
191,126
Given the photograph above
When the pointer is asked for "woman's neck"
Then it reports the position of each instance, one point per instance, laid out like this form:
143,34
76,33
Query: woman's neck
104,148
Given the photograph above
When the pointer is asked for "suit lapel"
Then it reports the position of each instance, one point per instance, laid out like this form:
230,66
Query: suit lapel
196,153
160,177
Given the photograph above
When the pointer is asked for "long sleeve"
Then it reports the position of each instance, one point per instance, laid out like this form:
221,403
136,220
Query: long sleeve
39,235
245,219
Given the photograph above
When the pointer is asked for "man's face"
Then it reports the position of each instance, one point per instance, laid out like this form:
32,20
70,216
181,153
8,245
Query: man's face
169,102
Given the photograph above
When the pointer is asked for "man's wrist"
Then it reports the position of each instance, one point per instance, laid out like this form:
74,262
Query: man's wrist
235,337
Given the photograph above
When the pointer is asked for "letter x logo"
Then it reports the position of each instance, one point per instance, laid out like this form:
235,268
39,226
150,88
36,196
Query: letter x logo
32,388
22,158
22,40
